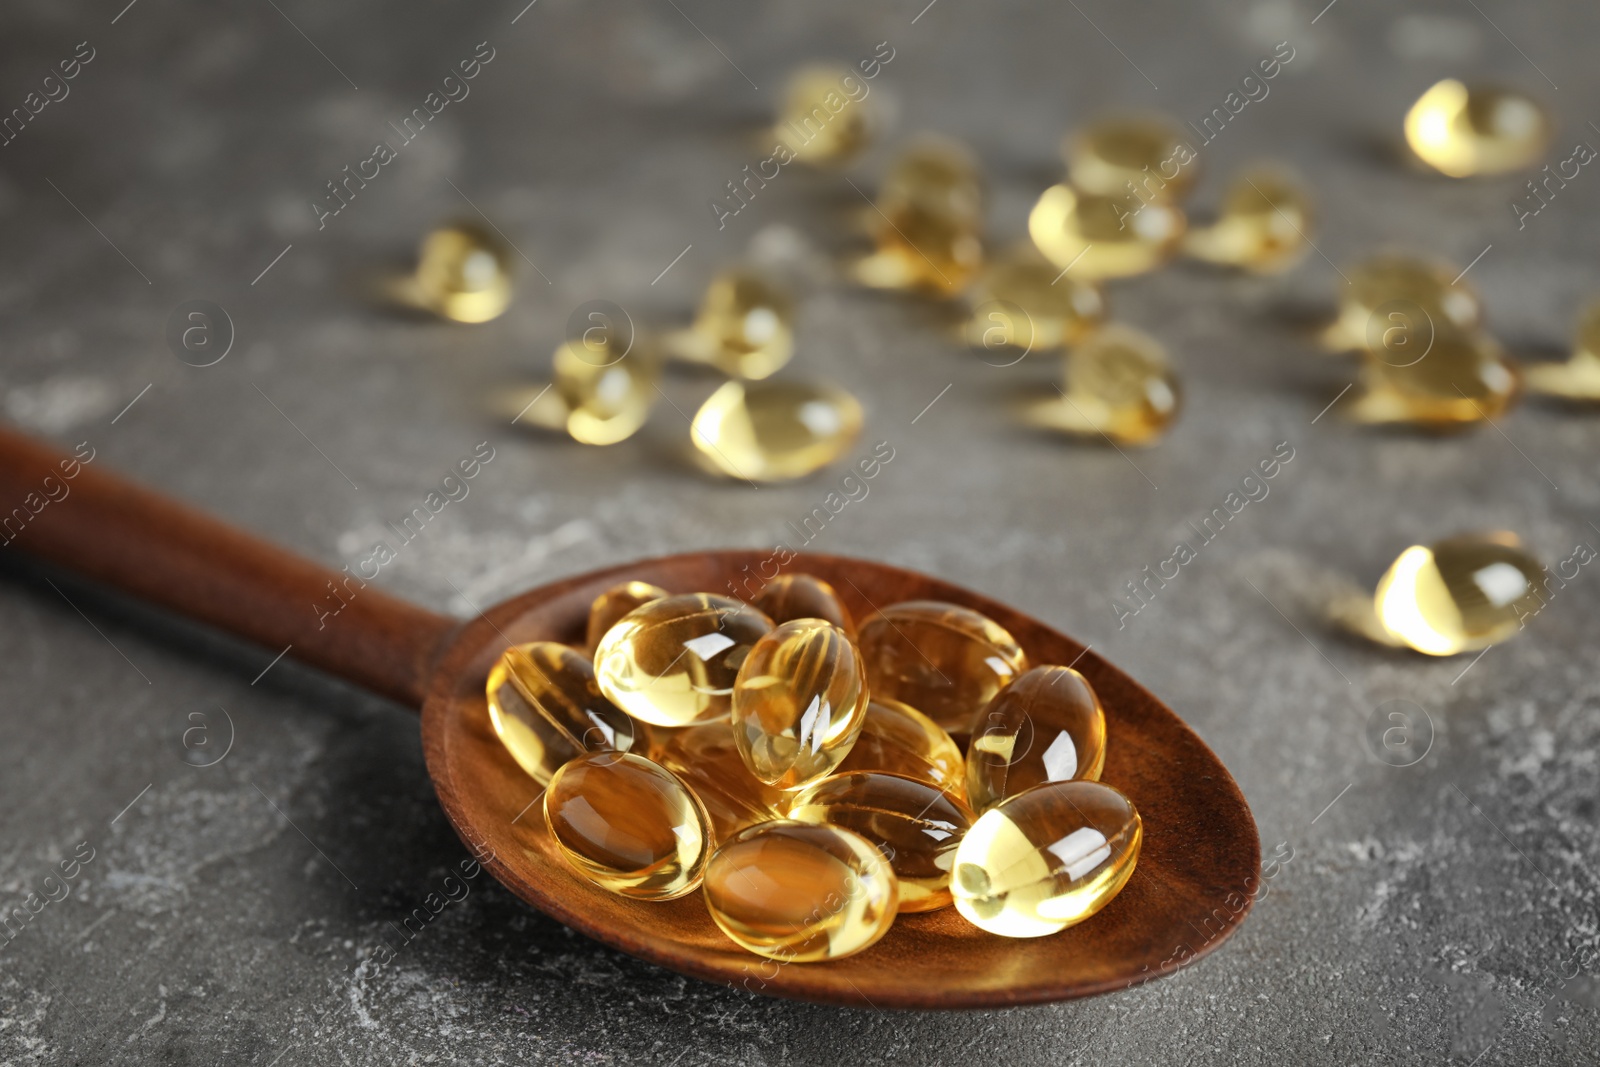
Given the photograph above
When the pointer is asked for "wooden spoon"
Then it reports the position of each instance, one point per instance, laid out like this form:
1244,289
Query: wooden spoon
1193,886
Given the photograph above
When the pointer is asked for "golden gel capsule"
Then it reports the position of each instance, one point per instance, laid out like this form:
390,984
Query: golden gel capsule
1047,726
463,273
1463,131
1265,225
937,177
708,760
1120,387
1023,301
600,395
1459,595
916,826
1046,859
921,251
1579,377
1093,236
610,606
672,662
800,893
1458,380
1144,156
546,708
821,124
629,824
945,660
1396,304
800,596
774,431
798,703
899,739
745,327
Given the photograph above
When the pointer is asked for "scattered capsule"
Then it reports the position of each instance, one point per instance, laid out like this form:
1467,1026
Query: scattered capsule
938,177
610,606
1459,595
798,892
945,660
1022,301
1047,726
463,273
1464,131
1120,387
1579,377
1046,859
916,826
1093,236
774,431
1142,155
546,708
629,824
801,596
1265,225
927,222
821,124
798,703
707,758
599,395
744,328
1458,380
1395,304
672,662
899,739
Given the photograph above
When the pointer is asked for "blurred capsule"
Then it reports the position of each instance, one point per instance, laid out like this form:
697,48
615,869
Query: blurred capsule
1265,225
1140,155
600,395
927,222
803,596
1579,377
463,273
1397,302
1458,380
1464,131
823,122
745,327
1120,387
936,176
1091,235
1460,594
1025,303
774,431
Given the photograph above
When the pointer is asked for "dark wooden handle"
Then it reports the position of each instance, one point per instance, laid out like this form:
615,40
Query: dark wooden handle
67,509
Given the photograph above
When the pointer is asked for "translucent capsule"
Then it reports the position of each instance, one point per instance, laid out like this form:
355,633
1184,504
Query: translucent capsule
1047,726
745,327
922,251
610,606
1579,377
1023,301
937,177
798,703
801,596
1119,387
1459,595
899,739
1046,859
1458,380
1265,225
943,659
546,708
708,760
1144,156
822,123
915,824
1093,236
799,893
600,395
672,662
774,431
463,273
1463,131
1394,305
629,824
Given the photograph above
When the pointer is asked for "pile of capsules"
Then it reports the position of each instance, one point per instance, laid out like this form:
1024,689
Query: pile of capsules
805,774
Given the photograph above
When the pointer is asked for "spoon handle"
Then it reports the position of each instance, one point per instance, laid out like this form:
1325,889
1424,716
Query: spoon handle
67,509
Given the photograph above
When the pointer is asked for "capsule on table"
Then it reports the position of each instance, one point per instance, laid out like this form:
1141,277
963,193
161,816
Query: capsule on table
1460,379
801,596
1146,156
799,893
822,123
945,660
744,328
1120,386
672,662
1023,301
899,739
463,273
1046,859
1093,236
610,606
798,703
1047,726
1578,378
547,708
629,824
916,825
774,431
1396,303
1462,131
1265,225
708,760
1460,594
927,221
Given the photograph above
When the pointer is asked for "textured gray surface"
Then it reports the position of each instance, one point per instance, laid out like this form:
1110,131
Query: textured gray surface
1429,915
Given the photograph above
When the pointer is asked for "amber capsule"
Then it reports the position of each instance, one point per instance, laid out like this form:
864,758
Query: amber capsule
1142,155
802,596
899,739
1394,305
546,708
1458,380
1120,386
1023,301
1046,859
1579,377
672,662
598,396
921,251
916,826
463,273
799,893
1093,236
798,703
1463,131
1460,594
945,660
938,177
774,431
1265,225
708,760
745,327
1047,726
822,122
610,606
629,824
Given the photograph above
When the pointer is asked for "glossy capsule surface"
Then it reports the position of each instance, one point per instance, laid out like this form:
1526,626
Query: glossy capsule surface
1144,155
1460,594
821,122
546,708
744,328
673,661
945,660
800,893
1578,378
774,431
629,825
916,825
1458,380
1047,726
798,703
1395,304
463,274
1120,386
1023,301
1092,236
707,759
1463,131
802,596
1046,859
921,251
1265,225
610,606
899,739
